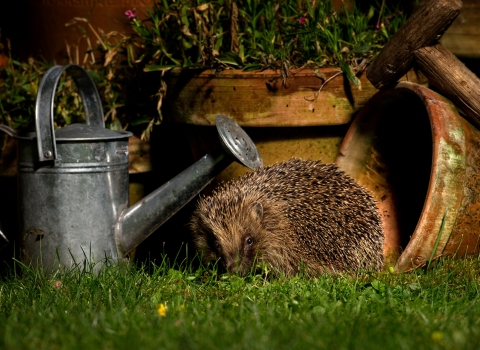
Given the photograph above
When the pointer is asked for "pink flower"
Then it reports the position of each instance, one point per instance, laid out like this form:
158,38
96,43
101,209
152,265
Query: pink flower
131,14
303,20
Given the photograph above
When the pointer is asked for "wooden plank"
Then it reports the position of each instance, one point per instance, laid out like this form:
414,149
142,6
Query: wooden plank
424,28
260,99
450,76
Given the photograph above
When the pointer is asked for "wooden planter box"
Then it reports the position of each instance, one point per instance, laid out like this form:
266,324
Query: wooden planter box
284,121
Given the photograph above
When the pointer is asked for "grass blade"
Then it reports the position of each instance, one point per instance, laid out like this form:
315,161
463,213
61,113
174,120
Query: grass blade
439,236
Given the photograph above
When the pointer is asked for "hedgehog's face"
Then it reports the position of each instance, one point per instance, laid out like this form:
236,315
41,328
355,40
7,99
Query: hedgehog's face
233,239
239,258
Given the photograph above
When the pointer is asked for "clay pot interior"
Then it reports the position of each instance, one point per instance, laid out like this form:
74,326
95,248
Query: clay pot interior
388,149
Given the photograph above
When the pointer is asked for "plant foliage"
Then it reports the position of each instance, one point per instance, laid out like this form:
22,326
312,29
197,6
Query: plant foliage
242,34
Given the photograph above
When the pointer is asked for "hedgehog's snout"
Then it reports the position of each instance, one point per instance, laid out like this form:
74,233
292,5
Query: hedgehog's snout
232,266
236,265
237,269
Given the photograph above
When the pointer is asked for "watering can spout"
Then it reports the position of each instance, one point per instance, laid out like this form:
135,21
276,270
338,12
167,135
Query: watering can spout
137,222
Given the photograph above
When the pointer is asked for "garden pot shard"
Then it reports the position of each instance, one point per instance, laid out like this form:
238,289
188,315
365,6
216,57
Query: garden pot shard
421,160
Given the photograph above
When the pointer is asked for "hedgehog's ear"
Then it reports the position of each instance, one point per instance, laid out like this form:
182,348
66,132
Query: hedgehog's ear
258,210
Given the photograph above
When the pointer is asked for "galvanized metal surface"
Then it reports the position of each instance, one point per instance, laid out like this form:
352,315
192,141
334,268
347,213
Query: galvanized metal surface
420,159
236,142
73,184
68,208
44,106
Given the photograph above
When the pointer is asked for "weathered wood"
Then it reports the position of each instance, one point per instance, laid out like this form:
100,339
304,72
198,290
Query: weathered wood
424,28
258,98
450,76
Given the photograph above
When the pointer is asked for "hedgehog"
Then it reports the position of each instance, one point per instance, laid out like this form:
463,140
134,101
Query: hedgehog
295,216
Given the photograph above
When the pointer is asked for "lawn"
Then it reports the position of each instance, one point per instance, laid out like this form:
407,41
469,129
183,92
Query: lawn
158,307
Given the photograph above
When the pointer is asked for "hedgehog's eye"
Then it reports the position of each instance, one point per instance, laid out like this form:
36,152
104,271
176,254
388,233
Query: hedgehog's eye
216,245
249,241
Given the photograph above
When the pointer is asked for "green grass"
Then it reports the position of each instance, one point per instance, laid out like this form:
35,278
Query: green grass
118,309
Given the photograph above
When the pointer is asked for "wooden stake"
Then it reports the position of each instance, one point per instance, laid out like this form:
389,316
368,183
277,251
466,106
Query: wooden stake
450,76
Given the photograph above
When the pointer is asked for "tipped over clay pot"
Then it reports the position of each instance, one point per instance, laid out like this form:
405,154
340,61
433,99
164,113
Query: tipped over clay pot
421,161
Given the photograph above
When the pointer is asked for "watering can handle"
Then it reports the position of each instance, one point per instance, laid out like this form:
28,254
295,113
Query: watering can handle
92,106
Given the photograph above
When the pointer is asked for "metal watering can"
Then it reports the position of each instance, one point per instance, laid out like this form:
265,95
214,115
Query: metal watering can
74,183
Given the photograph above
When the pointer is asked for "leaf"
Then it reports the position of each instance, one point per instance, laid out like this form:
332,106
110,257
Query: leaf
349,73
202,7
193,65
414,286
141,120
184,19
252,67
156,67
116,125
109,56
95,76
187,44
371,12
320,74
362,49
230,58
378,286
318,310
18,99
439,236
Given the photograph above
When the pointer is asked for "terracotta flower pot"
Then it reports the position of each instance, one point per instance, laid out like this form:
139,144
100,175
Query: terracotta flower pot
284,121
421,160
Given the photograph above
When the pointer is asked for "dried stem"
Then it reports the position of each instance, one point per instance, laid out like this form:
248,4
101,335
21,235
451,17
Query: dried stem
234,27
